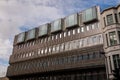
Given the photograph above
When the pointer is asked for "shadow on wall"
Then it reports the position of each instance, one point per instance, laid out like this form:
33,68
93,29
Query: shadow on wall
4,78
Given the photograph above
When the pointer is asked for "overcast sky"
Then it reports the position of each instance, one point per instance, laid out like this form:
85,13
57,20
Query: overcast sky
20,15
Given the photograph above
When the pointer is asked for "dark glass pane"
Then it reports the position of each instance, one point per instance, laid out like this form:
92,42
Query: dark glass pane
21,37
43,30
56,26
109,19
113,39
31,34
116,18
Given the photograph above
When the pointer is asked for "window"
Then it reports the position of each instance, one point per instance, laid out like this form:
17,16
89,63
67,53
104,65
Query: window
42,51
68,33
91,56
78,30
87,28
116,61
116,18
96,25
73,32
49,49
41,41
38,51
56,36
52,37
60,35
106,39
57,48
62,47
93,26
56,25
110,64
85,57
89,14
67,46
64,34
48,38
113,39
82,29
46,50
109,19
100,39
82,42
53,50
119,15
119,35
21,37
94,39
43,30
45,39
71,20
31,34
104,21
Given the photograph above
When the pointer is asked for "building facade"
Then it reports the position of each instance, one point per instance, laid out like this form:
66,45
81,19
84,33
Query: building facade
4,78
111,30
69,48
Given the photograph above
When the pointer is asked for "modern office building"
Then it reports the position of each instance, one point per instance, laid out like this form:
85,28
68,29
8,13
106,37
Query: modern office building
70,48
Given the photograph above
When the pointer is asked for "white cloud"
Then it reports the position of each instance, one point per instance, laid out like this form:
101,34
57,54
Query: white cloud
19,13
3,70
5,49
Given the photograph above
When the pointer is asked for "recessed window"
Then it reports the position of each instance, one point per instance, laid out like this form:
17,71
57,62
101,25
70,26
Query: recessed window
42,51
109,19
52,37
39,51
113,39
49,49
116,18
48,38
119,35
21,37
116,60
106,39
97,25
78,30
82,42
87,28
82,29
57,48
53,49
60,35
119,15
62,47
73,32
64,34
46,50
68,33
31,34
45,40
41,41
56,36
94,39
104,21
